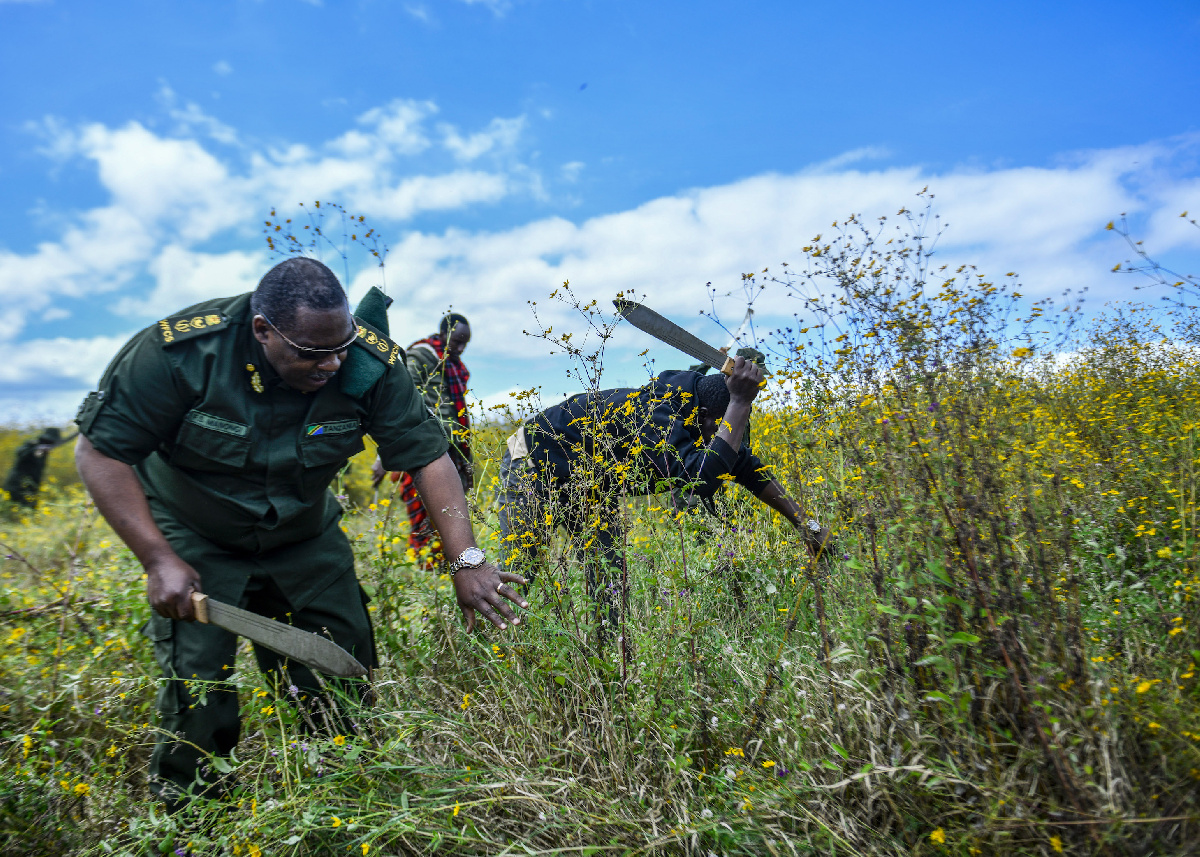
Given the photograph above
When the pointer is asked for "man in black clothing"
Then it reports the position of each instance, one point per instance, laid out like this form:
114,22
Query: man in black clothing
25,478
683,433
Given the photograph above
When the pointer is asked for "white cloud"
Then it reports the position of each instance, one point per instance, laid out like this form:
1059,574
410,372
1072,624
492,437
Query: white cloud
497,7
854,156
396,128
500,135
421,13
1046,223
60,358
183,277
431,193
168,193
191,120
165,183
183,210
222,68
94,256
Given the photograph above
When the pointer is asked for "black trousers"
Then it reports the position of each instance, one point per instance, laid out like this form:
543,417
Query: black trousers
197,704
531,509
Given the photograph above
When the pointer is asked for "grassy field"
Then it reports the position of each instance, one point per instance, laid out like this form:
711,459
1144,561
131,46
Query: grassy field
998,655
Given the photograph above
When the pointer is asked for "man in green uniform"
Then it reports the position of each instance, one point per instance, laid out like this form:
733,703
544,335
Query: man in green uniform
210,446
29,465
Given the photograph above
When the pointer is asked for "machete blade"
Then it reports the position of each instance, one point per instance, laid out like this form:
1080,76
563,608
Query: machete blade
305,647
665,330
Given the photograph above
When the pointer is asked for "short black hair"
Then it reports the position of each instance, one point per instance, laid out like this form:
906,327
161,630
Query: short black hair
450,320
297,282
712,394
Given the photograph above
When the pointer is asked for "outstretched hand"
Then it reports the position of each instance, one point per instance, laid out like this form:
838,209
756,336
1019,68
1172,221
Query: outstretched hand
484,589
817,541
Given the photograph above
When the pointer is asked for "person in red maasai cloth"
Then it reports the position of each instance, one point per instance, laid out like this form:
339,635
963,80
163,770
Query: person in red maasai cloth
435,364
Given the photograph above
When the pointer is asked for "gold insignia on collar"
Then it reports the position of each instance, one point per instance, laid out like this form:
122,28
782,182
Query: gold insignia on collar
255,379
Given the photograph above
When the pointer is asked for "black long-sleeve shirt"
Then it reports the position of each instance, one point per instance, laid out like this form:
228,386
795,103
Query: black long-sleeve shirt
646,440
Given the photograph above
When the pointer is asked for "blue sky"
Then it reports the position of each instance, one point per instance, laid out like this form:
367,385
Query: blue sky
504,146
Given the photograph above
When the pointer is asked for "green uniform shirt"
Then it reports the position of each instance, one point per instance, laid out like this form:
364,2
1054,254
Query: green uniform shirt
238,458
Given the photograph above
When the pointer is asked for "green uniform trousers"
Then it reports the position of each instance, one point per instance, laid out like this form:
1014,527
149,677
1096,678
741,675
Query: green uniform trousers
197,704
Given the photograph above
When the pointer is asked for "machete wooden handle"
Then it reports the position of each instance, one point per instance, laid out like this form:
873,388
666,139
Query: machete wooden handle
200,605
727,370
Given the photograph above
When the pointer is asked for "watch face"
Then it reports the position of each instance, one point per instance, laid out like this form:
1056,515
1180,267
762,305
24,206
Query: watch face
813,525
470,558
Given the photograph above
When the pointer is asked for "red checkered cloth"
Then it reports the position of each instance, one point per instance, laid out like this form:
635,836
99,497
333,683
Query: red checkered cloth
422,537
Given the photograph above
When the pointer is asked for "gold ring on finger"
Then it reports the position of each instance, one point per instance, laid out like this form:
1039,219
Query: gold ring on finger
499,586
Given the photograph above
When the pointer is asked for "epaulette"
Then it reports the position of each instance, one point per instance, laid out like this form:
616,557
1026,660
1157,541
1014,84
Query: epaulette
181,327
378,343
358,373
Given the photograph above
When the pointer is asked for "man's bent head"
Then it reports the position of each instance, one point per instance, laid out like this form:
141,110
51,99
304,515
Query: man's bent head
712,398
302,320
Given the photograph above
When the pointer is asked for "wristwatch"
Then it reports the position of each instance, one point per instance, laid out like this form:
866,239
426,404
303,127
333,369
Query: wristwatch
813,526
470,558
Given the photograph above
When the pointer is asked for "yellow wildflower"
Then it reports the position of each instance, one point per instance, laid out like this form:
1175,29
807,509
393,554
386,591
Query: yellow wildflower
938,837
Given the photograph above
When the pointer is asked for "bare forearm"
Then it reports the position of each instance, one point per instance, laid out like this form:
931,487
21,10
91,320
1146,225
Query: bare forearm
442,495
119,496
775,497
114,486
733,424
484,587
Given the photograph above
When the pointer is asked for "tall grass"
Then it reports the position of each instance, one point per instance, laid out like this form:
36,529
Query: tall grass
998,655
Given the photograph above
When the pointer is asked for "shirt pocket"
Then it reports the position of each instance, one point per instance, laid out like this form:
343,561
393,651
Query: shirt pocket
207,442
328,443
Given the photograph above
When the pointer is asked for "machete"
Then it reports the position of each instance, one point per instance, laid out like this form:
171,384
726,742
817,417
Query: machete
665,330
305,647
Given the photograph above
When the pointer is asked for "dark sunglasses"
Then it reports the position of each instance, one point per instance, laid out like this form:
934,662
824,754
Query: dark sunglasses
310,353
